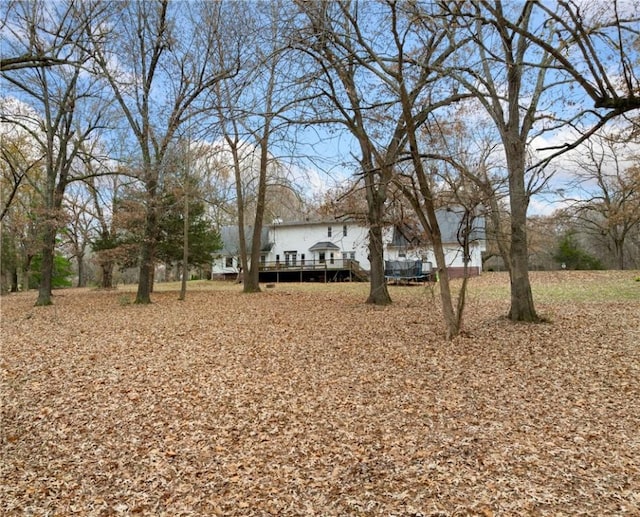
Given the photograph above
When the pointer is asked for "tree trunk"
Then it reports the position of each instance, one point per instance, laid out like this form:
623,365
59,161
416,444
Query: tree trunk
46,270
26,273
620,253
107,275
145,281
252,277
143,295
522,307
426,212
376,196
244,259
499,234
14,279
451,320
185,246
5,283
82,281
378,292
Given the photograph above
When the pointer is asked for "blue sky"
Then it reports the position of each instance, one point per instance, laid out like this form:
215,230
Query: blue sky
327,158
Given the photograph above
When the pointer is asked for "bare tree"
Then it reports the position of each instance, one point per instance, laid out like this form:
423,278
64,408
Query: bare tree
385,81
77,232
69,107
188,155
20,157
22,165
362,81
526,52
605,197
511,81
451,172
158,63
255,109
422,197
22,48
104,192
342,83
467,147
596,44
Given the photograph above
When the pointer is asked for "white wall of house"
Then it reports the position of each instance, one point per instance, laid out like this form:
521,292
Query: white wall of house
289,239
225,265
291,243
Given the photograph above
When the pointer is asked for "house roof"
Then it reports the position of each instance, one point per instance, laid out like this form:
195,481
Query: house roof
315,222
231,240
405,235
450,221
325,245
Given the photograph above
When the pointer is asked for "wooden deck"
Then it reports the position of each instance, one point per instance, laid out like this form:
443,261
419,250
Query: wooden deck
337,270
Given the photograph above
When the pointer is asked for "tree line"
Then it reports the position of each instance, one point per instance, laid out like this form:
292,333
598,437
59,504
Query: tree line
117,114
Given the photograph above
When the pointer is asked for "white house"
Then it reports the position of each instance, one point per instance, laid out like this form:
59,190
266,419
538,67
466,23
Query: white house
322,242
336,249
297,250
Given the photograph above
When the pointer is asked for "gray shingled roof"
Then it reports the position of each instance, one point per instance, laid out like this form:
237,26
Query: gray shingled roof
325,245
449,220
231,240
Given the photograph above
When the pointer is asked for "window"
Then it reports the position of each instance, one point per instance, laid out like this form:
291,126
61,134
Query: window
228,262
302,259
329,231
331,260
321,257
344,230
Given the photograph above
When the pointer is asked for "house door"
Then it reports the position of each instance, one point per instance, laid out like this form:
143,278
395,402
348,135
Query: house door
290,258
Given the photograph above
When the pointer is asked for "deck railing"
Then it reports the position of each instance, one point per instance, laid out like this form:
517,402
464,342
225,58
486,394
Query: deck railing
310,265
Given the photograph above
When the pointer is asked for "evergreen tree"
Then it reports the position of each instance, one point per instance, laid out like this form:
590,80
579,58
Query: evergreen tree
572,256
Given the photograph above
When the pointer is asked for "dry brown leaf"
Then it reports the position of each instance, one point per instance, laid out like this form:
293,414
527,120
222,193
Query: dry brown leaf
302,400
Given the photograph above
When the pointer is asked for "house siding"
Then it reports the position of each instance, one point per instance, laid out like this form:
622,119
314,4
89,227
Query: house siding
302,237
289,241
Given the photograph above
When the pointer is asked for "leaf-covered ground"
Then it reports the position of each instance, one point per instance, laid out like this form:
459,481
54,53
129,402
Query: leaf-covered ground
302,400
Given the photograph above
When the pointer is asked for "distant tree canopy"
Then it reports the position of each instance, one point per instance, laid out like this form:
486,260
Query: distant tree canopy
572,256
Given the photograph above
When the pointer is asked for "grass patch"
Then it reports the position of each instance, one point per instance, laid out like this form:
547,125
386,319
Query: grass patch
585,286
547,286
